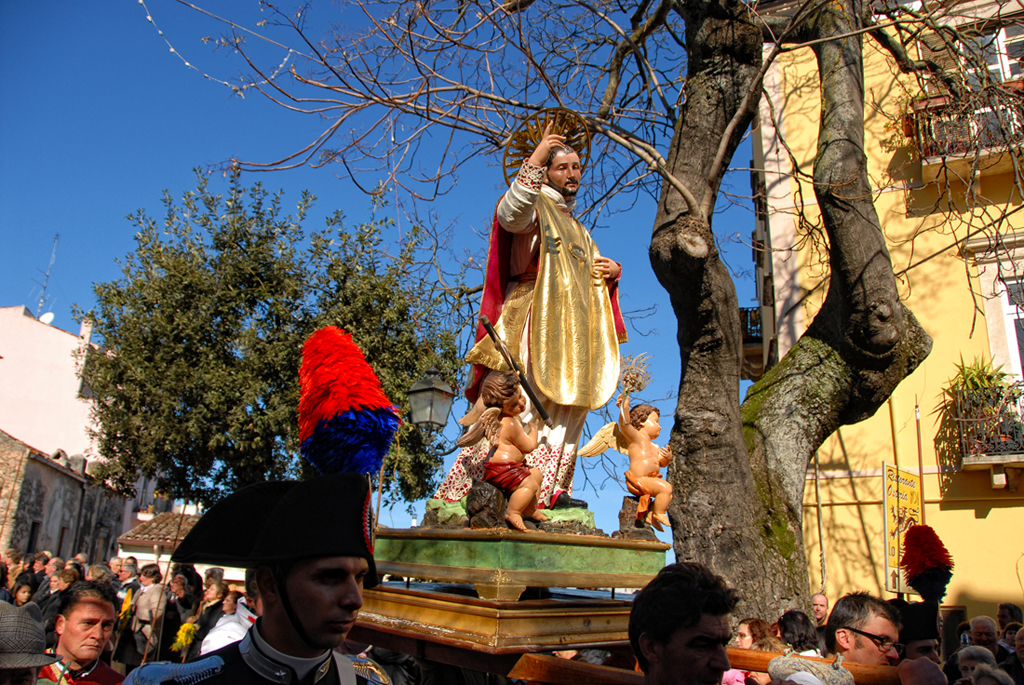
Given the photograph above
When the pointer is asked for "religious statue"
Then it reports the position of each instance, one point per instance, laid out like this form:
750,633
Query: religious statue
510,443
553,298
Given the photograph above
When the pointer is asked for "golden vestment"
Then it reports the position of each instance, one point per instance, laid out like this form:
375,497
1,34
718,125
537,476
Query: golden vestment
574,349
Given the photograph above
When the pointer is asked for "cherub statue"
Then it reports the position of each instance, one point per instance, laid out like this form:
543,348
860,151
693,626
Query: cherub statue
640,427
633,435
510,443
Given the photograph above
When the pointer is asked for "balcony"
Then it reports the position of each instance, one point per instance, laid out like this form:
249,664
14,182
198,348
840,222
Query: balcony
978,136
753,343
991,430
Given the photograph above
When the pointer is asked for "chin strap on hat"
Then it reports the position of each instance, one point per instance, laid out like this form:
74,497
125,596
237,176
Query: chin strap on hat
282,591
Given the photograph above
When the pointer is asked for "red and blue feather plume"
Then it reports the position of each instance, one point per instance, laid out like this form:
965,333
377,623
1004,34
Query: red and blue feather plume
346,423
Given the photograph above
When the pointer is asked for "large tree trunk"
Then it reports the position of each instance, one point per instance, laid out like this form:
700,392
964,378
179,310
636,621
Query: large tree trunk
739,480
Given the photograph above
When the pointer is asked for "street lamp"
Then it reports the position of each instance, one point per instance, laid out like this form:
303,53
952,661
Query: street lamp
430,401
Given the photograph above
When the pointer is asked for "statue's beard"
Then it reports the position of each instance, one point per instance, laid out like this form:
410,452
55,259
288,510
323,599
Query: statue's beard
567,193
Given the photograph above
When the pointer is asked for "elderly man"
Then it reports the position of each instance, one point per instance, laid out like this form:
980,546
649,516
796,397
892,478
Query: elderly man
1014,664
84,626
554,301
819,608
983,634
22,644
308,543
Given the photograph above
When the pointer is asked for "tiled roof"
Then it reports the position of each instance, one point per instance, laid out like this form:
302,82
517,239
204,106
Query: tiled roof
164,529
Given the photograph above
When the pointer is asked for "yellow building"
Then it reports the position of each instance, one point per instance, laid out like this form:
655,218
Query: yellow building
952,222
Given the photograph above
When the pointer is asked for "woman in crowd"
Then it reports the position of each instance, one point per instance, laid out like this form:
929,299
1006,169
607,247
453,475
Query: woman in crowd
990,675
209,612
970,658
798,631
756,634
231,602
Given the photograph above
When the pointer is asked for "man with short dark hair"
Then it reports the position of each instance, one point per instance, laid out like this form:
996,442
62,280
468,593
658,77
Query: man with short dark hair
864,630
1008,613
39,563
308,544
84,625
679,626
920,630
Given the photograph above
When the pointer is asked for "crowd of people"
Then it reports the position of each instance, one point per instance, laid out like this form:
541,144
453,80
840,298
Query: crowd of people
104,620
306,591
865,629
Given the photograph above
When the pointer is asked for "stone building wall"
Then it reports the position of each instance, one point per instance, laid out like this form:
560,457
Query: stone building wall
49,503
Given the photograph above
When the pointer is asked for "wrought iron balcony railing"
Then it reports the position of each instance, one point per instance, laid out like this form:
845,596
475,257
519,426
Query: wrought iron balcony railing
990,422
750,321
945,128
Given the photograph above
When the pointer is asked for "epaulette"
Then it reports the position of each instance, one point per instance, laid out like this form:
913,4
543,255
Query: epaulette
370,671
168,673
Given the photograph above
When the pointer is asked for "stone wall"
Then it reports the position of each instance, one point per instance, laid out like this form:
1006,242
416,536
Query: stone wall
50,504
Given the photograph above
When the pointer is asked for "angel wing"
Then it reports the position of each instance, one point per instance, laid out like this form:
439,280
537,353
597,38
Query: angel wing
479,429
605,439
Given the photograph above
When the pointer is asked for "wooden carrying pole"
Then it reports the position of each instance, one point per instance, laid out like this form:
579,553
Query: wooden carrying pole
553,671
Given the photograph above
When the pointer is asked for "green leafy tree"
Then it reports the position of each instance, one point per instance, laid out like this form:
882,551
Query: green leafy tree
196,382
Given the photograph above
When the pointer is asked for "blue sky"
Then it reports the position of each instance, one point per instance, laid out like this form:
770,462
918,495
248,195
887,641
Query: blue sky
98,117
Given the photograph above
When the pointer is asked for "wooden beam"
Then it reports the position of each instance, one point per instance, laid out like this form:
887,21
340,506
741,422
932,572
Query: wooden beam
554,671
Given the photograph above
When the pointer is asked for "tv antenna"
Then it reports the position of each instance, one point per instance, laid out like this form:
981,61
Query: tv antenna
46,278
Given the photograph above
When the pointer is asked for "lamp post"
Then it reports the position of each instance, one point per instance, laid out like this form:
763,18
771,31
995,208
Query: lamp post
430,402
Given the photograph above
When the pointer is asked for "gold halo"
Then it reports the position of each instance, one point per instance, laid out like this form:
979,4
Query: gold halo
524,140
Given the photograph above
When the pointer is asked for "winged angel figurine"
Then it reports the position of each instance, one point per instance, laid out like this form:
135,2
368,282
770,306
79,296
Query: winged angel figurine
634,436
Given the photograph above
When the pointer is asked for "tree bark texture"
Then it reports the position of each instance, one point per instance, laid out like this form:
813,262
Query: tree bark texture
739,473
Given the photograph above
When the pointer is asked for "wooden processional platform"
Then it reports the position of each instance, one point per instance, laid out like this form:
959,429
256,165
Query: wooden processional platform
489,600
483,598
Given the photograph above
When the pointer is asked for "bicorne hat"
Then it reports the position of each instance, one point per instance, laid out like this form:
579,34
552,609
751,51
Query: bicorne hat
920,620
283,521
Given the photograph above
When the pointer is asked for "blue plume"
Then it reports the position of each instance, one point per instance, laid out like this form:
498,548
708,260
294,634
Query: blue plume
354,441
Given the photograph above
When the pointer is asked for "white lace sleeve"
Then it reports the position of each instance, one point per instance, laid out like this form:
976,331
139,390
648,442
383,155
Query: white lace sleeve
516,209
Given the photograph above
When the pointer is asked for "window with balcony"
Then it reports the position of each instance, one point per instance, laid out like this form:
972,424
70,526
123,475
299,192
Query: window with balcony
971,135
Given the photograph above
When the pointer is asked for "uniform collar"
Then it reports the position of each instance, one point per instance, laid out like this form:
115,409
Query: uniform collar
278,667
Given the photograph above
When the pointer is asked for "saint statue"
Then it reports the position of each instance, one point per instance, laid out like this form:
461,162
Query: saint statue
554,299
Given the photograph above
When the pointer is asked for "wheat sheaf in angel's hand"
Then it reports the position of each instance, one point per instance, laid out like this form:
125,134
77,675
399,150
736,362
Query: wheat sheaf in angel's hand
634,376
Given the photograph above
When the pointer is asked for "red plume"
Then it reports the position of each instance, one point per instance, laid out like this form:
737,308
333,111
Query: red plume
926,563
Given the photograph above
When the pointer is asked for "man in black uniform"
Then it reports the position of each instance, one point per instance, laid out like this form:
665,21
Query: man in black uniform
310,545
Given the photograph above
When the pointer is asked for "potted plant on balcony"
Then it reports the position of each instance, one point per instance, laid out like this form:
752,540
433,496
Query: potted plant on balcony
979,407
